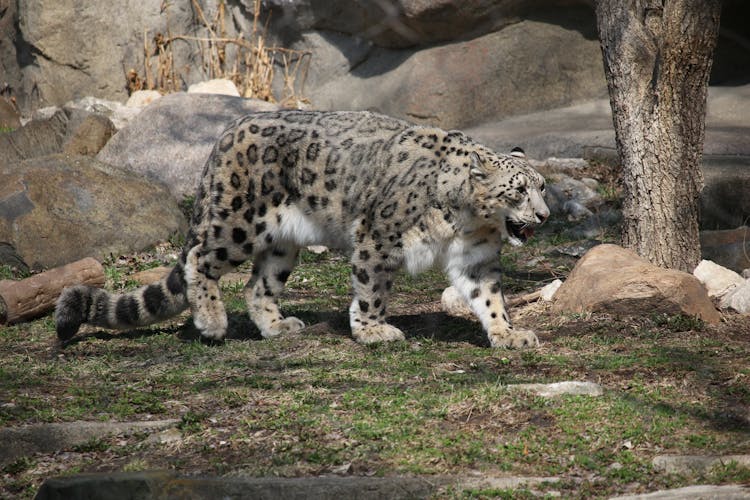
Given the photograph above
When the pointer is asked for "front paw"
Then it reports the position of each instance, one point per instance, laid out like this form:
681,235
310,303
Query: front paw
513,339
377,333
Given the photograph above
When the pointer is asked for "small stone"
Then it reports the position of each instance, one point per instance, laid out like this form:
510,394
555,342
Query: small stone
142,98
548,291
566,163
216,86
569,388
166,436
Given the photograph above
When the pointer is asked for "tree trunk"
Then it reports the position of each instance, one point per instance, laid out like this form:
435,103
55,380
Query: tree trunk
657,60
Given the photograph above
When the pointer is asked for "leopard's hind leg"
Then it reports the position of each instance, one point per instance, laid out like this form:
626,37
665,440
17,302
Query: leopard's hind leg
271,269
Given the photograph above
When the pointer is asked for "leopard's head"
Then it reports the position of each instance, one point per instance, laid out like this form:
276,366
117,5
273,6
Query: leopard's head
508,193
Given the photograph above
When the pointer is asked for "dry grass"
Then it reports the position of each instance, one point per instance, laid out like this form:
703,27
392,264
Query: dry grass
248,62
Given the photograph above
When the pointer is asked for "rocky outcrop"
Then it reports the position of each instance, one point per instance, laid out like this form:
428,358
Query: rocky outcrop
609,278
56,209
67,130
171,139
468,82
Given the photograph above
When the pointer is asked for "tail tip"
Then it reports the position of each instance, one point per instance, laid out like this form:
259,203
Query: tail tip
69,312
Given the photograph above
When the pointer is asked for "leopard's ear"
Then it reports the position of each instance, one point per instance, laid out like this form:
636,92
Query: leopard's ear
477,168
518,152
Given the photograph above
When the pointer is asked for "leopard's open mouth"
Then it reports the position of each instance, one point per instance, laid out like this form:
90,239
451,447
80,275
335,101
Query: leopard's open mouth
519,230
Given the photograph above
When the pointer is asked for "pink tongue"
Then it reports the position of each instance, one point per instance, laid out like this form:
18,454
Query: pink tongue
528,232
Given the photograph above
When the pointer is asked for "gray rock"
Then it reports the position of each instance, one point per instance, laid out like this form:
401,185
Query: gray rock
571,197
637,286
737,299
696,464
119,113
37,138
57,209
90,136
701,492
16,442
171,139
572,388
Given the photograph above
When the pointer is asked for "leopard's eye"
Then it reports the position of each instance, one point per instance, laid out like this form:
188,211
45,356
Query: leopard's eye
542,188
521,189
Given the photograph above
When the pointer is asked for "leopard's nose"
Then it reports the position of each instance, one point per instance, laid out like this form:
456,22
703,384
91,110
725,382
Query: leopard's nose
542,216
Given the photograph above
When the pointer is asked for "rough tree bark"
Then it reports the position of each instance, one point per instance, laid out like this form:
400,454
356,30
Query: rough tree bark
657,60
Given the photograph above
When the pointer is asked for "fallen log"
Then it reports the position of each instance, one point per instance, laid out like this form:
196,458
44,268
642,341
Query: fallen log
35,296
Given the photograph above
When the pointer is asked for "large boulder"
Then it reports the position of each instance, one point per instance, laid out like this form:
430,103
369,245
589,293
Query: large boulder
170,140
468,82
56,209
609,278
407,23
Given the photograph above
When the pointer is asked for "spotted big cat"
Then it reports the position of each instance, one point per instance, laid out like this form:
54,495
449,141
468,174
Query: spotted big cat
388,193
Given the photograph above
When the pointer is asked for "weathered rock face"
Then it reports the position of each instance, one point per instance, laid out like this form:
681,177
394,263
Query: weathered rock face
54,51
9,117
468,82
71,49
612,279
56,209
406,23
171,139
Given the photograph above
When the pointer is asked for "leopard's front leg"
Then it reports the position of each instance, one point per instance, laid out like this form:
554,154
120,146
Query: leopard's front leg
479,285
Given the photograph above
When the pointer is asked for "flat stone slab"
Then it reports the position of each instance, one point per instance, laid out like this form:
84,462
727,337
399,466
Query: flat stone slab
158,484
696,464
16,442
585,130
572,388
702,492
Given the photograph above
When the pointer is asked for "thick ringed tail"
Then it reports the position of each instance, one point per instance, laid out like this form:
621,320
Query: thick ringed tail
144,306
